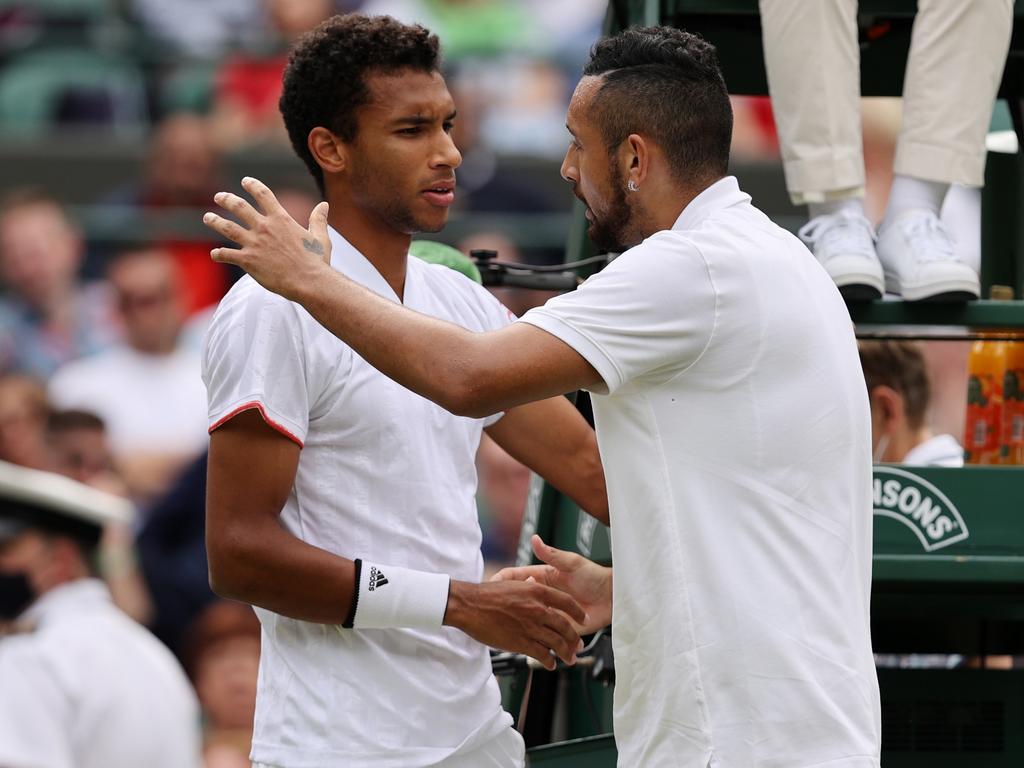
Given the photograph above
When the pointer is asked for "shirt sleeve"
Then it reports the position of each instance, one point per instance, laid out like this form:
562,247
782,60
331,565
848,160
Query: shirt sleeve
255,357
647,316
35,714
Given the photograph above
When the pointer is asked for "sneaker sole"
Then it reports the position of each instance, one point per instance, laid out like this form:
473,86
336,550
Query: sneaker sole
948,297
947,291
859,292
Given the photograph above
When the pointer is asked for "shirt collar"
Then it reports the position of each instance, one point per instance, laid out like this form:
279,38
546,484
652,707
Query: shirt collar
722,194
80,595
350,262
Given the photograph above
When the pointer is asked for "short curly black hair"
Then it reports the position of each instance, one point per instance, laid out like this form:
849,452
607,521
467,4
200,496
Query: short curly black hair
325,79
666,83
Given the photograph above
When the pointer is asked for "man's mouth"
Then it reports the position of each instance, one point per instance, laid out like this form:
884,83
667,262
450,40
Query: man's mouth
441,193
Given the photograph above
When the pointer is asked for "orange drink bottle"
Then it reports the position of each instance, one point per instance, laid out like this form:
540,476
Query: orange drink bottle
986,368
1013,404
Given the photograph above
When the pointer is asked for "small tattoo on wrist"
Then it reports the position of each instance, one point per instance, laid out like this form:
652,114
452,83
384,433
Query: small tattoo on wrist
313,246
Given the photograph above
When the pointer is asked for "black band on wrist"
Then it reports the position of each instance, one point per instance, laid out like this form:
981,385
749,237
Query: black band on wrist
347,623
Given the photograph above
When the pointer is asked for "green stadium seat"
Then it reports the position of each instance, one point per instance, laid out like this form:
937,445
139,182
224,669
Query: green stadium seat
35,86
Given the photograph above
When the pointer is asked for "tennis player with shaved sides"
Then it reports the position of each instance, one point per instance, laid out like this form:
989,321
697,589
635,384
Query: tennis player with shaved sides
341,504
730,410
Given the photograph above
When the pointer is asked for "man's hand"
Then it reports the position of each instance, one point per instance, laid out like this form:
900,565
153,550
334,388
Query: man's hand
521,617
275,249
589,583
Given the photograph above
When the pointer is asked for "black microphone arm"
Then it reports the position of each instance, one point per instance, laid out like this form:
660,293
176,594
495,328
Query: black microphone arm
553,277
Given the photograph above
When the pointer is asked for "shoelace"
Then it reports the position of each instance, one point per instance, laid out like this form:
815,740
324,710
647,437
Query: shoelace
929,238
840,233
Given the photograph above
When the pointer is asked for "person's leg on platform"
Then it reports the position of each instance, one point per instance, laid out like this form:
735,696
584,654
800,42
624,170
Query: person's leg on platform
817,113
956,60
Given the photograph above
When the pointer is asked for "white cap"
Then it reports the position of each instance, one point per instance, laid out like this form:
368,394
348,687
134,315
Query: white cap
33,499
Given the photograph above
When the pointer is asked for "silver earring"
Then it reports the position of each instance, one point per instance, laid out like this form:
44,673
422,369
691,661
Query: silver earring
632,186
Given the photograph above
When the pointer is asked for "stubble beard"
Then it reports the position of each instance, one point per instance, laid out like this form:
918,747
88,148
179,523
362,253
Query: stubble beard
401,218
609,233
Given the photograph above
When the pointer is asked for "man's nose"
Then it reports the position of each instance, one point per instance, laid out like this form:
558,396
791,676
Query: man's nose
569,171
448,154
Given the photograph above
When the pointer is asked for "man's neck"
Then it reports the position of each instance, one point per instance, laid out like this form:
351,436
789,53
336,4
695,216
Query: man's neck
904,441
670,200
386,249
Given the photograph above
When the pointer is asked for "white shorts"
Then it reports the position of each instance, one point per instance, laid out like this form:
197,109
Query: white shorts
506,750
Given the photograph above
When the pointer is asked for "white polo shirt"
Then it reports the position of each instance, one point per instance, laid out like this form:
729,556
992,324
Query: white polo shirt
385,475
735,437
149,403
90,688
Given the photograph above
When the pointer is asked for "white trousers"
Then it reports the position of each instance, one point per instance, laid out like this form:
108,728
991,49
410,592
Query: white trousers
503,751
957,52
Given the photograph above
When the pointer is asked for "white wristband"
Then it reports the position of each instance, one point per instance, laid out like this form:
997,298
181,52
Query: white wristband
388,596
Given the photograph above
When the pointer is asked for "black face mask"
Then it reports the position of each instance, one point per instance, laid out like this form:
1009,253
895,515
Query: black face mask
15,595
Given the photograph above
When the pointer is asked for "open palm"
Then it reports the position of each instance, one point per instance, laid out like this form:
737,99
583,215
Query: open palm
589,583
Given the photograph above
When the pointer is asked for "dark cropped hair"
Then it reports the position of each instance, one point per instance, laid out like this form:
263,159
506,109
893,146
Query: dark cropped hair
901,366
325,79
666,84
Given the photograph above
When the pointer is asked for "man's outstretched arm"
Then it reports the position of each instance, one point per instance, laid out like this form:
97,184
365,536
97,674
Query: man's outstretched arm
470,374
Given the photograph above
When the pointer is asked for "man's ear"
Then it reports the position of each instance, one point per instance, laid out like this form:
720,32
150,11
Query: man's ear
887,403
330,152
636,159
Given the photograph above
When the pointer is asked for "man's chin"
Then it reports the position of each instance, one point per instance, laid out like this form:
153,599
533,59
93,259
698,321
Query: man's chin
429,226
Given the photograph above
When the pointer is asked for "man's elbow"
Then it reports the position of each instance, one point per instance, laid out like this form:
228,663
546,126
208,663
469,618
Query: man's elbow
225,575
466,398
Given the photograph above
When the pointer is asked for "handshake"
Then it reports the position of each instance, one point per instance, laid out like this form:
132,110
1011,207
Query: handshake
537,610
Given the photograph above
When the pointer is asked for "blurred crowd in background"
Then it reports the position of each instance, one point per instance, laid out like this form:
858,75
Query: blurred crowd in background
106,285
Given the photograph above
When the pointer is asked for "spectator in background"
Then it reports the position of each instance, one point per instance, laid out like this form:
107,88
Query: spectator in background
248,86
147,390
953,71
77,444
222,657
200,28
172,553
900,396
82,684
23,413
466,27
182,171
47,318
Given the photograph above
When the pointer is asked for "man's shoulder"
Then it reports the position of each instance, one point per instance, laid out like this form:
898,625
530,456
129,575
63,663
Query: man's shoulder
247,300
448,281
453,290
26,651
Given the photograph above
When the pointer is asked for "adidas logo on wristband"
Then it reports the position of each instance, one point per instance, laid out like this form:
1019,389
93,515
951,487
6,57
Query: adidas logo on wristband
377,578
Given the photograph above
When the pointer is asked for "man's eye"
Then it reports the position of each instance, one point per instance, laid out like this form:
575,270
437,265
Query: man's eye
448,125
410,131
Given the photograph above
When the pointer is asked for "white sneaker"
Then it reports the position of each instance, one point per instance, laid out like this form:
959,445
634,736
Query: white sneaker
920,260
844,243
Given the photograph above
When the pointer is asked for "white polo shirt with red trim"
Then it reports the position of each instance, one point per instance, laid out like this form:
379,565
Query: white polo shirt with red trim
385,475
735,434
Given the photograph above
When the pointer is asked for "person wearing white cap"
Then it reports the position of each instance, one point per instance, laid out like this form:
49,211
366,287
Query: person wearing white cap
83,685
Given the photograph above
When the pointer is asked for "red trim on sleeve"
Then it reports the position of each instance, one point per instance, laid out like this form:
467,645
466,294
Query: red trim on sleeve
270,422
